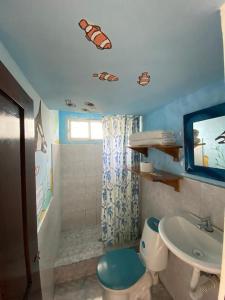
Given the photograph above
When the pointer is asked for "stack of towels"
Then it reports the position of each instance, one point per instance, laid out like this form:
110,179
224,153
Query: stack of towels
158,137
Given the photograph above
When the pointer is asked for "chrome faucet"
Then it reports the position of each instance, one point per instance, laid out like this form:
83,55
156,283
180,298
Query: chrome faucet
206,224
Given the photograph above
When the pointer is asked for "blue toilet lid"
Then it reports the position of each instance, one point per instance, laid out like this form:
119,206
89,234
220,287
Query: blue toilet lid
120,269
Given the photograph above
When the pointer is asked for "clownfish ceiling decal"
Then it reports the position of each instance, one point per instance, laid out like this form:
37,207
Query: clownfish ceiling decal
95,35
144,79
106,76
134,37
101,41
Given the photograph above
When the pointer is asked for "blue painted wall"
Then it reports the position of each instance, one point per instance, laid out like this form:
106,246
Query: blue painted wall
63,119
170,117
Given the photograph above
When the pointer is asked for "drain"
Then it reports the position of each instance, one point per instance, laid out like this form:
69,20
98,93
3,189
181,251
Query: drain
198,253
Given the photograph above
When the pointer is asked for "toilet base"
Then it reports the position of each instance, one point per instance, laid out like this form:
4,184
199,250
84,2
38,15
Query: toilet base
139,291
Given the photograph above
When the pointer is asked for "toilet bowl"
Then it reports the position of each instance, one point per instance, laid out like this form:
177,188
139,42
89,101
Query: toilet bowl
126,275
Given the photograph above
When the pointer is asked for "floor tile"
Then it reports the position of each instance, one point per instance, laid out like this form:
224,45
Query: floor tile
79,245
89,289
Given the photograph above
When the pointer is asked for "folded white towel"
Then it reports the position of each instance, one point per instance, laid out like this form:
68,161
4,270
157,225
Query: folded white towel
143,142
158,134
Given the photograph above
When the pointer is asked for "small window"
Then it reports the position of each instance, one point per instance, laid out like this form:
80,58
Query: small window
84,130
96,130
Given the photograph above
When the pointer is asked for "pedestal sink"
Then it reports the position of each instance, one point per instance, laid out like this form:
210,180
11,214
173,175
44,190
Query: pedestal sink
199,248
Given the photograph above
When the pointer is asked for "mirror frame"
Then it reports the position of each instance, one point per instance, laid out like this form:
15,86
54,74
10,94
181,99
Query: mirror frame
188,120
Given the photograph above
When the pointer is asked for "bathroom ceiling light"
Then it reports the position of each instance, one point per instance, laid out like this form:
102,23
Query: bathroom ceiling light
70,103
89,104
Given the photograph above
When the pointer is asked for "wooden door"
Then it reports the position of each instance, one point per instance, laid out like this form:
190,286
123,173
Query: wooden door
19,268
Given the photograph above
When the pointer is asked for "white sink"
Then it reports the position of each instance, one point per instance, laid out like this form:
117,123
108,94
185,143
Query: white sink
199,248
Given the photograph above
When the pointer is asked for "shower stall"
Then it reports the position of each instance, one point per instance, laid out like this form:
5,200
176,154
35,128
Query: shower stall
81,188
71,236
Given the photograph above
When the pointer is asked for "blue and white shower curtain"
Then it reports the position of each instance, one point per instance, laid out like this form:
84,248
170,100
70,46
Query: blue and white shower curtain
120,194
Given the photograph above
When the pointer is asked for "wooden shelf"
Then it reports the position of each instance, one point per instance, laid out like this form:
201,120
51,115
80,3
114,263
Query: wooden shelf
160,176
197,145
172,150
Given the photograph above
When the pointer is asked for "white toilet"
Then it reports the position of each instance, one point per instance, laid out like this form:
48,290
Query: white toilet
126,275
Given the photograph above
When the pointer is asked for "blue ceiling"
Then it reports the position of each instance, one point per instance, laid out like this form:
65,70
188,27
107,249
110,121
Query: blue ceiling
178,42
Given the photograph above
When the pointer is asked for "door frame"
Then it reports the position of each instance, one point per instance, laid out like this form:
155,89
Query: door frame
10,87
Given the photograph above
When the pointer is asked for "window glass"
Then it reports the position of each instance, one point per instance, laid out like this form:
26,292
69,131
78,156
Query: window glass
79,130
85,129
96,130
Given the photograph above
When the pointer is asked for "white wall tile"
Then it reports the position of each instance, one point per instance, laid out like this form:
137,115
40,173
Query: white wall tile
98,215
73,219
49,234
199,198
90,216
213,204
81,184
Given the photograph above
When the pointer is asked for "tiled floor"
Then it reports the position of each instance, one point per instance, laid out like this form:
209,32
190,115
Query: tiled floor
82,244
89,289
79,245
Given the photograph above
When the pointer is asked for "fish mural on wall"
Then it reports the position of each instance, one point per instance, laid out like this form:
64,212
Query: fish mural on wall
221,138
39,198
144,79
40,142
37,169
106,76
95,35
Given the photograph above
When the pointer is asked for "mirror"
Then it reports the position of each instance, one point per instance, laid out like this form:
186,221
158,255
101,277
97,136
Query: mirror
204,137
209,143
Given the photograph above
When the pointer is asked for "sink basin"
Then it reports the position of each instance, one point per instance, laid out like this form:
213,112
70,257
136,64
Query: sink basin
199,248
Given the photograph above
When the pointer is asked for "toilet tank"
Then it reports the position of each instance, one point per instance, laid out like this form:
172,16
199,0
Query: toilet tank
152,249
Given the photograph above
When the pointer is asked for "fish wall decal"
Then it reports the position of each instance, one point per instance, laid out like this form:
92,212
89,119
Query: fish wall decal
95,35
221,138
106,76
144,79
40,142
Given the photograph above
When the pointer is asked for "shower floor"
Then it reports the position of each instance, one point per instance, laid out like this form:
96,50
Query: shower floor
79,245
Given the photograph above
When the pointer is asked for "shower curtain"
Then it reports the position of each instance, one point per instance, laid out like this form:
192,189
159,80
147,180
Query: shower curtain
120,193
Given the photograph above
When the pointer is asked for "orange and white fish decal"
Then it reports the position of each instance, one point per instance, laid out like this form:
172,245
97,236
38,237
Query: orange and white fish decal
106,76
144,79
95,35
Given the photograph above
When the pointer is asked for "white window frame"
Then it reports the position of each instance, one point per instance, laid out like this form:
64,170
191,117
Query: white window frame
89,129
